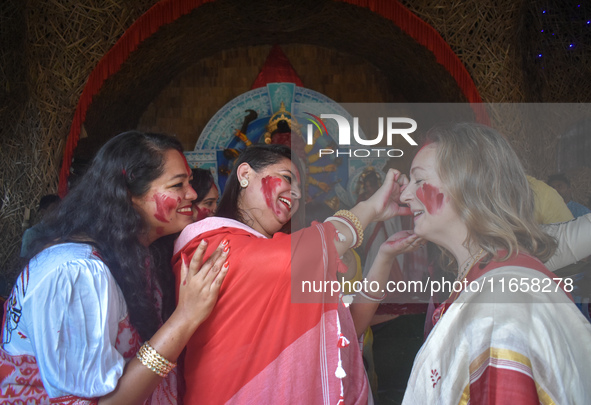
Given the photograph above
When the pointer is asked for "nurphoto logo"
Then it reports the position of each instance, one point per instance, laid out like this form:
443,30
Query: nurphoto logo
391,128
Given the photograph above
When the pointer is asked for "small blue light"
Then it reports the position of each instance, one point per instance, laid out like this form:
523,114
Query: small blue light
543,11
589,22
539,55
571,45
543,30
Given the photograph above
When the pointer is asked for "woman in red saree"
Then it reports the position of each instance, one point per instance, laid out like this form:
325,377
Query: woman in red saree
271,339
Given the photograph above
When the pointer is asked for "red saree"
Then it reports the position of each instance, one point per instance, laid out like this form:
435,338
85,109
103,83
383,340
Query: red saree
258,346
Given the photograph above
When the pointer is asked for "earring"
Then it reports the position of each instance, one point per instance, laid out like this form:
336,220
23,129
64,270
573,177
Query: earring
244,183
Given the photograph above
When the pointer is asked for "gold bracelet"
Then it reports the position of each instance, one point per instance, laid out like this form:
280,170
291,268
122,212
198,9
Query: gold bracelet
352,218
154,360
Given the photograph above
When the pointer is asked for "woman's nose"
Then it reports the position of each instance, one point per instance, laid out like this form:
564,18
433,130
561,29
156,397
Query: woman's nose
295,191
407,193
191,194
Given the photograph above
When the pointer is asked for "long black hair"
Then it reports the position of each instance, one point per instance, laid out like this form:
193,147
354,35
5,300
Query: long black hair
258,157
99,211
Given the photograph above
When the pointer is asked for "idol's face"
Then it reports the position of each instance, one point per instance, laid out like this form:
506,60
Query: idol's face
271,197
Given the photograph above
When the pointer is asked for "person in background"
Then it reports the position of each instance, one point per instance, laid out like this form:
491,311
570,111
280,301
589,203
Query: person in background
92,317
550,208
47,204
515,345
207,194
561,183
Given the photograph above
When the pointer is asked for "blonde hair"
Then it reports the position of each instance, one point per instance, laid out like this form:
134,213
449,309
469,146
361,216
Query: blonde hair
488,188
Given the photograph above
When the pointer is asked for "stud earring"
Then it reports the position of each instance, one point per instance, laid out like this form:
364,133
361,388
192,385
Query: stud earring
244,183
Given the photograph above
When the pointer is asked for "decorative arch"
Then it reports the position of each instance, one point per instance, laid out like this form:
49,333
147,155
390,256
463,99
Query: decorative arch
167,11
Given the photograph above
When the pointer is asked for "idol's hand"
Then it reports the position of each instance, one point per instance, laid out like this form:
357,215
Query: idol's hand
385,202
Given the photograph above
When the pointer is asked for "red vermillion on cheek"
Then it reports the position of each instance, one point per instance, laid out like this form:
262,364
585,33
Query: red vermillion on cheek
202,213
269,185
431,198
164,205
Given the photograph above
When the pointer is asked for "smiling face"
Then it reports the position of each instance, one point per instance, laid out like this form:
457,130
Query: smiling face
434,215
166,208
206,207
272,195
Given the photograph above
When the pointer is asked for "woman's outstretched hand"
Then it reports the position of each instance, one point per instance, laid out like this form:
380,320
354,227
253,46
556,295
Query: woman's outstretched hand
386,201
401,242
201,281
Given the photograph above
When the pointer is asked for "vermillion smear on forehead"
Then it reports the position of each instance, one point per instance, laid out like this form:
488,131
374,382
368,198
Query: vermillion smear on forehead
424,146
164,205
269,185
431,198
187,167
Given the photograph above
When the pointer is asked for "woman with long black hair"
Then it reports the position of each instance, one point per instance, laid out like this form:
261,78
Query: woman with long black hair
92,317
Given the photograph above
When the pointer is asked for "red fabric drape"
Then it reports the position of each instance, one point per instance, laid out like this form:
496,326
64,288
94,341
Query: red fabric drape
162,13
276,69
166,11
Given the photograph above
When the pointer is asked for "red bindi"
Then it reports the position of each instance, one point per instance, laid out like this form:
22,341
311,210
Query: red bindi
431,198
269,185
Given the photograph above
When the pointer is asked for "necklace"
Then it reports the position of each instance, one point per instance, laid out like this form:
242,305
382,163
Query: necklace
469,265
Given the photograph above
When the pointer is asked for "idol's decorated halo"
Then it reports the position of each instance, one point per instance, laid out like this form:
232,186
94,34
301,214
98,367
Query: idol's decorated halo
275,123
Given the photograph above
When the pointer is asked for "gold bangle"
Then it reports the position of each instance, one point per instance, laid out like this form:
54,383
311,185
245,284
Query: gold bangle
352,218
154,360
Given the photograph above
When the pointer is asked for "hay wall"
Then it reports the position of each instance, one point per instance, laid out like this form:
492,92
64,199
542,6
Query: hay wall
48,49
185,106
499,42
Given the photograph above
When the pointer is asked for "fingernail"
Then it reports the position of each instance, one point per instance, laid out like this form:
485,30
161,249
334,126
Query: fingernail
203,242
226,248
184,258
226,264
224,242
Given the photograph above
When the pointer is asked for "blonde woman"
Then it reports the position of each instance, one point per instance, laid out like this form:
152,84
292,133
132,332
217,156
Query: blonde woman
509,333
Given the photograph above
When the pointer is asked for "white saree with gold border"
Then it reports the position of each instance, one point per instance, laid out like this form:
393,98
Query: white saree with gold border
520,347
